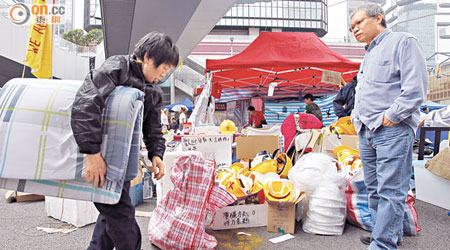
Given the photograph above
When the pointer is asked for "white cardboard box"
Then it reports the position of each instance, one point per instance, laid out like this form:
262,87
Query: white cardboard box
430,187
77,213
242,216
165,184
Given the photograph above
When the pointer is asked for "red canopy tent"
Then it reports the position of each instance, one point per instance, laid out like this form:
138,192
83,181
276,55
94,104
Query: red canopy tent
295,61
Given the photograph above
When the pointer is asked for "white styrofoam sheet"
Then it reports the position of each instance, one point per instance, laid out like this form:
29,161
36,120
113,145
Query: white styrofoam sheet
430,187
77,213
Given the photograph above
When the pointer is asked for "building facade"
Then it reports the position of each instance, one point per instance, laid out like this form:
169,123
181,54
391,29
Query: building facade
429,21
275,15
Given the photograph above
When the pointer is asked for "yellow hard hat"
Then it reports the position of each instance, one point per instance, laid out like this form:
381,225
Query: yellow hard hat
266,166
239,186
236,167
343,126
284,164
257,186
343,151
349,158
227,127
224,176
336,129
279,190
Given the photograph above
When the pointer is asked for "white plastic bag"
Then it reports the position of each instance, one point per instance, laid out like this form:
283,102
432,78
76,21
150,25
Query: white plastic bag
312,170
323,180
327,210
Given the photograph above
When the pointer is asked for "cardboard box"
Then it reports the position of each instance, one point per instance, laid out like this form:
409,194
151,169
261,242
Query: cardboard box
430,187
137,194
20,197
350,140
330,141
243,216
138,178
248,146
307,139
206,130
136,189
281,215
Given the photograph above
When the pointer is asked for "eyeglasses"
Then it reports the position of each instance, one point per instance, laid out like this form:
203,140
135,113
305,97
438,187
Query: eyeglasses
358,23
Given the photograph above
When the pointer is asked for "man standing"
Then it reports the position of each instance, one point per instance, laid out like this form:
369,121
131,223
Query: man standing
256,118
392,84
154,55
182,118
311,107
344,101
165,119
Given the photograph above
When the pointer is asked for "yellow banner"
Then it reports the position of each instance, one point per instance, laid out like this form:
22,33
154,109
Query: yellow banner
39,49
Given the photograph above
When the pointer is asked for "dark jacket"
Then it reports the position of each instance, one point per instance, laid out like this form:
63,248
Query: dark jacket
90,101
346,96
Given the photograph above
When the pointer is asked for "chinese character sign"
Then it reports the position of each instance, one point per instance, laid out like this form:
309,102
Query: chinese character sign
212,147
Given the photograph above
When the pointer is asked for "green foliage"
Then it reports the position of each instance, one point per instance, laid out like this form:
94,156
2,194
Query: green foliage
74,36
78,36
93,37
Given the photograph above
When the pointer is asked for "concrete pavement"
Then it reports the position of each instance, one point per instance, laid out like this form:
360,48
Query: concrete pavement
19,222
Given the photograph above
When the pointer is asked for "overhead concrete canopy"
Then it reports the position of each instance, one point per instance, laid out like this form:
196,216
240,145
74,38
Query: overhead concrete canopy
10,69
186,21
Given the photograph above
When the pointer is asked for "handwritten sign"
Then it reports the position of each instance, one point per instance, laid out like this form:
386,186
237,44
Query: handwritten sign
221,106
240,217
331,77
212,147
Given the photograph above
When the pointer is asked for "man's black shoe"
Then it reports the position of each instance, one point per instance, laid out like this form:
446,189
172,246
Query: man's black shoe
366,239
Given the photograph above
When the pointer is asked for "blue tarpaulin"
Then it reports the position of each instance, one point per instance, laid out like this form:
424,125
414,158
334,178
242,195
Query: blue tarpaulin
277,111
432,105
186,102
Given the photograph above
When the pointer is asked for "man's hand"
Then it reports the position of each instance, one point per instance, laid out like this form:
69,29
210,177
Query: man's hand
387,122
158,164
95,169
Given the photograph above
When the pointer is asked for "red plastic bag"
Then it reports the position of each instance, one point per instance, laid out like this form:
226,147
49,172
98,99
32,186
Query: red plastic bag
178,220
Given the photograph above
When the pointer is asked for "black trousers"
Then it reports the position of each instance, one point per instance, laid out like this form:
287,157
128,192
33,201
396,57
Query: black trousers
116,226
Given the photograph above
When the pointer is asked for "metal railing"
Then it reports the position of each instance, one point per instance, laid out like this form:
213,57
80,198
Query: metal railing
437,139
84,51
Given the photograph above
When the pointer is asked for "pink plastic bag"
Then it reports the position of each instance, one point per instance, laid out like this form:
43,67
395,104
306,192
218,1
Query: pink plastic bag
178,220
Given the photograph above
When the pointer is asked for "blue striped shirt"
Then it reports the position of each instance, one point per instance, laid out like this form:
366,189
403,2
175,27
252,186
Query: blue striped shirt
392,81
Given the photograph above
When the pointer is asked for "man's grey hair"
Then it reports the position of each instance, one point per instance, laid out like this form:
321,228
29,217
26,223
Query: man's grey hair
372,10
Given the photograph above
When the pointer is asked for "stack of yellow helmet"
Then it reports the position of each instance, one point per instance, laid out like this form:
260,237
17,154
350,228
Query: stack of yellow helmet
227,127
280,165
239,181
343,126
279,190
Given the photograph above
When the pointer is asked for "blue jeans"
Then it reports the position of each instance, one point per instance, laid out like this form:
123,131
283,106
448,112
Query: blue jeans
386,155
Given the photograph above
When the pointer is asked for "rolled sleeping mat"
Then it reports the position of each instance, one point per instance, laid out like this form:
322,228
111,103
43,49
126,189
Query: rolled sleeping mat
38,153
